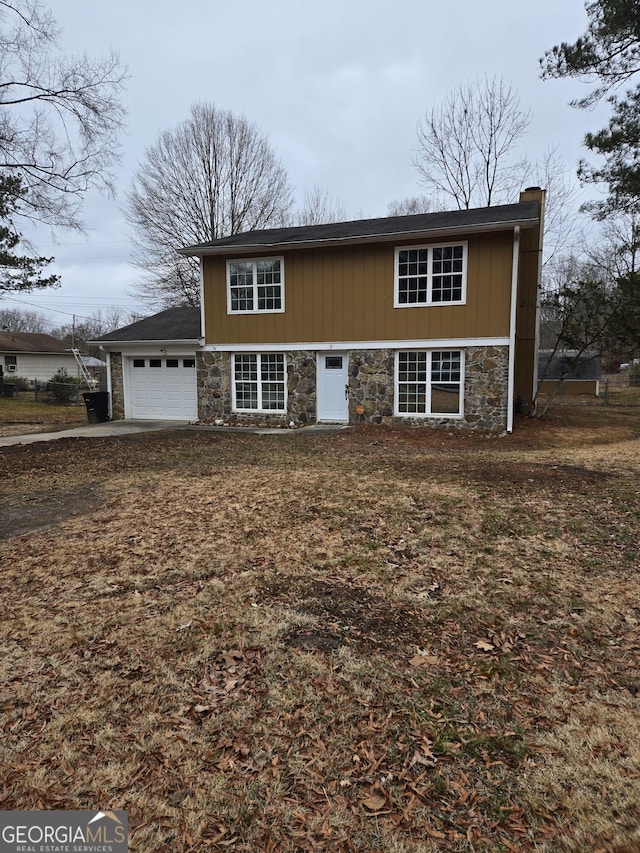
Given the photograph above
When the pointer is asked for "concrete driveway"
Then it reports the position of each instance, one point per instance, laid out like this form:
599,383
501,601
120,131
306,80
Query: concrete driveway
106,430
115,428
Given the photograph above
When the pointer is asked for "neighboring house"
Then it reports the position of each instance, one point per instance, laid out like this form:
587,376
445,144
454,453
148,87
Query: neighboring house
34,356
425,320
152,366
583,376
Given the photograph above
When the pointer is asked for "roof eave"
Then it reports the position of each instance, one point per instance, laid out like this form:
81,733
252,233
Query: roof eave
36,351
142,342
390,237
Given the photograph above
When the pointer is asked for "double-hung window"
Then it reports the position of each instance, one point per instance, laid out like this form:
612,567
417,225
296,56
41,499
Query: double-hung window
255,286
259,382
430,275
429,383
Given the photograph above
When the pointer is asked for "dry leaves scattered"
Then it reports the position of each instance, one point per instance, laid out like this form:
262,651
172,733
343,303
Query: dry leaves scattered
370,641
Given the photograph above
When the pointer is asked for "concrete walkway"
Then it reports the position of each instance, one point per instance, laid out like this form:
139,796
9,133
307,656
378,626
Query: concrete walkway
115,428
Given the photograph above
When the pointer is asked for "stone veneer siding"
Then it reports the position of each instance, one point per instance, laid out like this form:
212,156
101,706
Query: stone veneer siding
215,400
371,384
117,387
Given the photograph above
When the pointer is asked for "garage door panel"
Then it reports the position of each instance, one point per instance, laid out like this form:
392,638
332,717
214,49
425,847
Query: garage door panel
165,390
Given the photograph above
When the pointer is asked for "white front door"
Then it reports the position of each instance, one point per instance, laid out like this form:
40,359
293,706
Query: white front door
333,386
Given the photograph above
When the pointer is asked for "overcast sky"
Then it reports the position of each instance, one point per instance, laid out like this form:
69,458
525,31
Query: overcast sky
338,87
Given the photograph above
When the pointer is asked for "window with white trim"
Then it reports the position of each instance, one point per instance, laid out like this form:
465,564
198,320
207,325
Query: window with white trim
255,286
259,382
430,275
429,383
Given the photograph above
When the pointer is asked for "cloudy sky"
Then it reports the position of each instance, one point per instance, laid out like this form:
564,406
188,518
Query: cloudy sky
338,87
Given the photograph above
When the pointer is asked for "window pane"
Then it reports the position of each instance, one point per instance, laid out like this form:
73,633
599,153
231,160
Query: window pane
242,299
188,362
268,272
138,362
273,395
172,362
246,368
241,273
272,367
247,395
445,366
155,362
269,298
445,381
447,274
445,398
412,384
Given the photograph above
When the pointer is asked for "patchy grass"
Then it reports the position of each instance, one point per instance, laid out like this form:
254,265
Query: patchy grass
378,640
22,414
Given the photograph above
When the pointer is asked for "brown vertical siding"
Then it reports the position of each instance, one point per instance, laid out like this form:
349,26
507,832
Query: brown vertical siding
530,263
346,294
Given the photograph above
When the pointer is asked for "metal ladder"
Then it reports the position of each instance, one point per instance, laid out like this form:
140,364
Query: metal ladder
83,368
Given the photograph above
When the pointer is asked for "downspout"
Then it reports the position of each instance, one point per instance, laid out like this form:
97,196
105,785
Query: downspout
202,335
512,327
109,383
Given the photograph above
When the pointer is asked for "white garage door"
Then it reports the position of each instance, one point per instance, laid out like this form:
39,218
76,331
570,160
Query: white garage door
163,388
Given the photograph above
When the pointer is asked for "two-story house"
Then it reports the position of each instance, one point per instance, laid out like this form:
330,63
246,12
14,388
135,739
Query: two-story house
424,320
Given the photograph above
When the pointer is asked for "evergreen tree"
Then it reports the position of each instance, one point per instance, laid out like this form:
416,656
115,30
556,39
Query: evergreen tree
17,272
609,55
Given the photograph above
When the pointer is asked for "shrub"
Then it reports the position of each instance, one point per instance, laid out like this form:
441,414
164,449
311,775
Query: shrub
63,388
20,382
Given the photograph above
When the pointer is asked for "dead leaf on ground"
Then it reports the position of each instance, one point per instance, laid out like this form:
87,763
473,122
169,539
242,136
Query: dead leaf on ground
485,646
374,803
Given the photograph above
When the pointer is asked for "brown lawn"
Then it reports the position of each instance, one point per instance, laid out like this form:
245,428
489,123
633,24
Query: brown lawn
375,640
24,414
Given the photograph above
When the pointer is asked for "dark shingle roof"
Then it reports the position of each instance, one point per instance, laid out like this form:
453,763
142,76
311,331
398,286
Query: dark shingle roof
588,366
173,324
23,342
524,213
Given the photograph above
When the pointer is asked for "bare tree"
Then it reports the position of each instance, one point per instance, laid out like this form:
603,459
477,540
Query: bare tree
467,145
563,222
411,205
468,152
319,208
59,116
22,320
617,253
213,176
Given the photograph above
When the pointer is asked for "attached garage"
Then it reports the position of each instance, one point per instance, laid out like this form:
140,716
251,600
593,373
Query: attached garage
152,367
162,387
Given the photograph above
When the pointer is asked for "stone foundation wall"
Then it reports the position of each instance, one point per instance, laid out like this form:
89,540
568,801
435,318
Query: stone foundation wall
213,370
301,387
485,388
117,387
215,398
371,386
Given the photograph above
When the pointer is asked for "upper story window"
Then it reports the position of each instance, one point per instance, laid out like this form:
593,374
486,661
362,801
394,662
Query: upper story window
255,286
430,275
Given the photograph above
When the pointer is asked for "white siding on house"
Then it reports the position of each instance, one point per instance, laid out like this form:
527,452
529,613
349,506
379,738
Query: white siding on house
40,366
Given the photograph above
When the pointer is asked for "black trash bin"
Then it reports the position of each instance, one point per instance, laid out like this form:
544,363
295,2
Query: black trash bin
97,403
9,389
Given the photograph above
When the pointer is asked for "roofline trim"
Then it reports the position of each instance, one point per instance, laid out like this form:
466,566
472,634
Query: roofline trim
37,351
387,237
145,342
